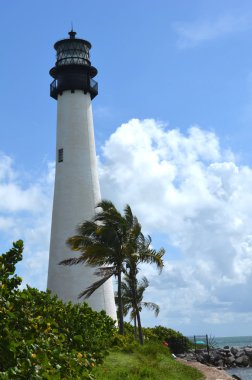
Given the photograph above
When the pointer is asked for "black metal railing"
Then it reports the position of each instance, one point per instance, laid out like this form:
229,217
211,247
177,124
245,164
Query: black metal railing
53,89
178,345
93,84
90,86
201,343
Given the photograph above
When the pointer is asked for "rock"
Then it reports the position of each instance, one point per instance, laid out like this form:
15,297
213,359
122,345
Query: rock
248,352
221,357
234,350
239,353
225,352
182,356
230,361
220,364
242,361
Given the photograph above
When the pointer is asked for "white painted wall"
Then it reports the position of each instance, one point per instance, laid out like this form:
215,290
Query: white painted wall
76,193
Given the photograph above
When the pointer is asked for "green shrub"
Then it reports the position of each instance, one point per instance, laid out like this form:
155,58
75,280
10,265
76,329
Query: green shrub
178,343
153,349
43,338
124,343
128,329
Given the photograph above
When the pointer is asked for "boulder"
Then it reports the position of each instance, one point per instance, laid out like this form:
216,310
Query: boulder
239,353
221,357
242,361
225,352
230,361
234,350
219,364
248,352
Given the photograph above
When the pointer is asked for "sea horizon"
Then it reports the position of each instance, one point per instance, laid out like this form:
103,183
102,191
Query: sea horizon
236,341
232,341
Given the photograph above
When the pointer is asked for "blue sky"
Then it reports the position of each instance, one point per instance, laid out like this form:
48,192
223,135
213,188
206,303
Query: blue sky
173,133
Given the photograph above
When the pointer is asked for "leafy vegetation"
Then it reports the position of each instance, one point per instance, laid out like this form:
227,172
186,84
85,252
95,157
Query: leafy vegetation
132,288
177,342
132,294
150,361
116,243
43,338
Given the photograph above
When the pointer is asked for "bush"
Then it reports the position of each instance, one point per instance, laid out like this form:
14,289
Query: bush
153,350
124,343
43,338
178,343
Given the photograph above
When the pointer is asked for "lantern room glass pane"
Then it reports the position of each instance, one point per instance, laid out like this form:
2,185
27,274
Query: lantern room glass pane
72,52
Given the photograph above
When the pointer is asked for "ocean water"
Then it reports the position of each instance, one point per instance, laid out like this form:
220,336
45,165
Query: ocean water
233,341
237,341
243,373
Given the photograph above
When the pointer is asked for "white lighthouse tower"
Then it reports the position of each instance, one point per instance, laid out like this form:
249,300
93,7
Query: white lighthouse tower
77,190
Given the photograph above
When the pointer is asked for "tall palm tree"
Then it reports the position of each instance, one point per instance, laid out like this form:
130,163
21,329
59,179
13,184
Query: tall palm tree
102,242
109,241
132,295
141,252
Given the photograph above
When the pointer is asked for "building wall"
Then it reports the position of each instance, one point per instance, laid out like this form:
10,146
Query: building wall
76,193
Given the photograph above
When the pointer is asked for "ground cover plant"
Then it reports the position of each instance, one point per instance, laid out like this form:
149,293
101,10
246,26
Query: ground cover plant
150,361
177,342
43,338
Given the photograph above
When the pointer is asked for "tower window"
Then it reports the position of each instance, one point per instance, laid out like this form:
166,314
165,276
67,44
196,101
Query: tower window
60,155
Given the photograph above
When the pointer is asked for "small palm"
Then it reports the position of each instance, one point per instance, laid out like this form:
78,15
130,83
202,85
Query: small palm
111,241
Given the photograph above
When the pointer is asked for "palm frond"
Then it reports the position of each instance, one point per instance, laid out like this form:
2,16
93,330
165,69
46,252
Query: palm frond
152,256
87,229
128,215
98,254
79,242
152,306
72,261
104,271
92,288
143,283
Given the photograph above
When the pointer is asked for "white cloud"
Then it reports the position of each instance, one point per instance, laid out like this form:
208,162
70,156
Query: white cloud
25,213
193,34
186,187
183,187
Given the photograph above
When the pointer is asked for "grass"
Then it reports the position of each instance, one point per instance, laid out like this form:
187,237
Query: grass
148,362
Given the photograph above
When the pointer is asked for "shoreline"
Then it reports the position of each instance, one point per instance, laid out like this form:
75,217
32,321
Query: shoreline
209,373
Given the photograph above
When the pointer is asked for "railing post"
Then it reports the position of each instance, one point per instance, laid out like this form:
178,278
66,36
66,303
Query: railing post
208,348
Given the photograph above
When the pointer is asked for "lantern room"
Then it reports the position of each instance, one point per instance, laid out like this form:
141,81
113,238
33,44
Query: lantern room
73,70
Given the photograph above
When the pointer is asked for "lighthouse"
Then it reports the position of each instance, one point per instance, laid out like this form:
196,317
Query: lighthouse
76,191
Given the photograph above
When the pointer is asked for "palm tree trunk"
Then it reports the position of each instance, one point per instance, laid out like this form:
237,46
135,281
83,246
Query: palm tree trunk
135,305
140,331
135,328
120,305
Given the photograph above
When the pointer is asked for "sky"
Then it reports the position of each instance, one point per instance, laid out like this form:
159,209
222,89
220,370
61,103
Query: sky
173,128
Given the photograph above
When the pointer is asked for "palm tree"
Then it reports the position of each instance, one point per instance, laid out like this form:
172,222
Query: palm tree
102,242
108,241
141,252
132,295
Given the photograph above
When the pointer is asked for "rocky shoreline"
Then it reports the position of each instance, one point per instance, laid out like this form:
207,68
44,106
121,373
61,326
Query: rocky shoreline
227,357
210,372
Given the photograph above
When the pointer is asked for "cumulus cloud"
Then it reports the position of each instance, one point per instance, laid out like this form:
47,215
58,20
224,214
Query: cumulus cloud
187,188
187,191
197,32
25,213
